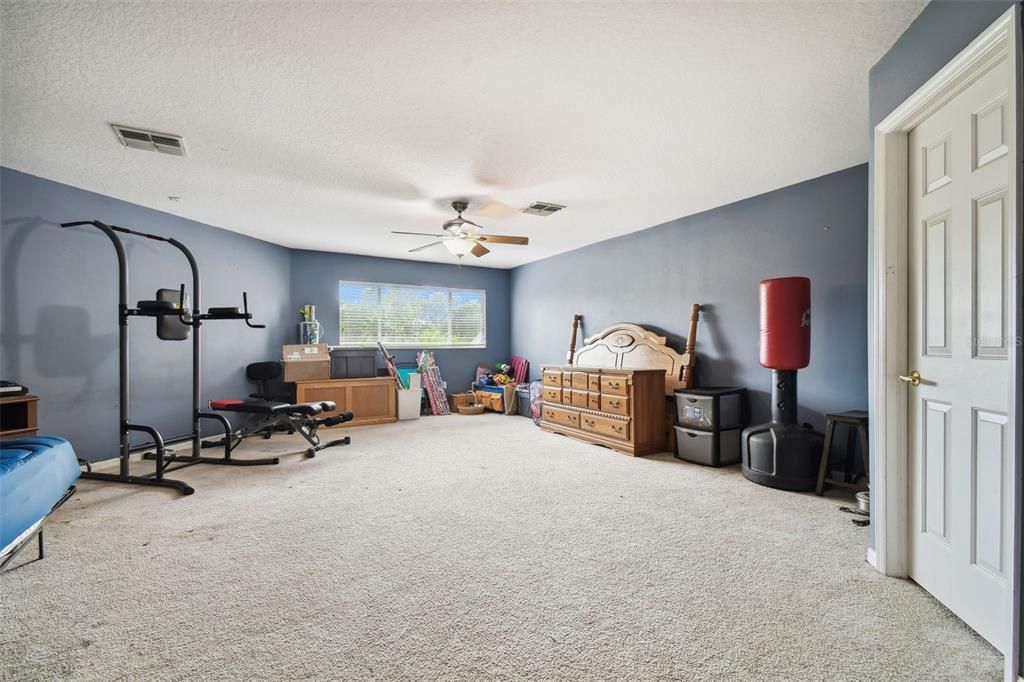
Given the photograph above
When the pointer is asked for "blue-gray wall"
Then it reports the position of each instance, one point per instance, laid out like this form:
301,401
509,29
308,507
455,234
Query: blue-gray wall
315,276
939,33
816,229
58,324
58,310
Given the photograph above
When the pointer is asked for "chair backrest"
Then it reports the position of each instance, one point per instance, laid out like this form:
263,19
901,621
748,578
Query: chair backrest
262,372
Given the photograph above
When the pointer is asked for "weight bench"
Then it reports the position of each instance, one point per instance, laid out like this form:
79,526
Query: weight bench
300,417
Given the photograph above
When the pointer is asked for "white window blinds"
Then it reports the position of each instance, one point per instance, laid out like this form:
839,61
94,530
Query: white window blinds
421,317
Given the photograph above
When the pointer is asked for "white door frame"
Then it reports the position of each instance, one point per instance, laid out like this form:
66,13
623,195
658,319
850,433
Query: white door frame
887,348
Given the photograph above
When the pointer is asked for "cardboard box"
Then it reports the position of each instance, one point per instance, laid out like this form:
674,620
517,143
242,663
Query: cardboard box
504,397
306,363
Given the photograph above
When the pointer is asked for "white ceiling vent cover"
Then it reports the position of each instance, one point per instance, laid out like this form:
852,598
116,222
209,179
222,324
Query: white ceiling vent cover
148,140
542,208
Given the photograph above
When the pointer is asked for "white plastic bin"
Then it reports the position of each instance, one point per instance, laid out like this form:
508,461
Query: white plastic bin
409,399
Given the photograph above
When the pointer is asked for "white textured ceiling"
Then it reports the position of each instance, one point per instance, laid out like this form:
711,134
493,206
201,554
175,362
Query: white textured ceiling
327,125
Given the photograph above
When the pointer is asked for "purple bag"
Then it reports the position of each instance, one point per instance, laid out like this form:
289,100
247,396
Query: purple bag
535,400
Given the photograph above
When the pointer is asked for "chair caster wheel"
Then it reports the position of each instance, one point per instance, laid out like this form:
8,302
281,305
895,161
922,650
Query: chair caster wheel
310,453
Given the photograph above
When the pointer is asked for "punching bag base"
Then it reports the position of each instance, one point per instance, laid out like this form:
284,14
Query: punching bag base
783,456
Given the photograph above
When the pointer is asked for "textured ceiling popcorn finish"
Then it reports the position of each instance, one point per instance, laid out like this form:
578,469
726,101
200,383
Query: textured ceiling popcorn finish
327,125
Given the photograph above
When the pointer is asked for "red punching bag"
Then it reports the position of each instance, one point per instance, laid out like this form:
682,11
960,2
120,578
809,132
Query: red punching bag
785,323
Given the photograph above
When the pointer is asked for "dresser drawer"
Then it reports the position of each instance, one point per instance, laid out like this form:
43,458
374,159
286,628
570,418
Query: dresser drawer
579,398
556,415
594,400
552,394
579,381
594,382
566,379
616,404
614,384
611,428
552,378
567,396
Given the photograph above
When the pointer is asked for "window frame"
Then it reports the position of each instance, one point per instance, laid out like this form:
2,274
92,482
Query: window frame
450,291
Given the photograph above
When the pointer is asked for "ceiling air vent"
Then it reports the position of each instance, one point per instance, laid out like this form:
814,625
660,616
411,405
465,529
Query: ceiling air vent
542,208
137,138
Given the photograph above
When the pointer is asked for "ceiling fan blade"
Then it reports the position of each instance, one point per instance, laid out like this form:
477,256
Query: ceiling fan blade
502,239
425,246
419,234
480,250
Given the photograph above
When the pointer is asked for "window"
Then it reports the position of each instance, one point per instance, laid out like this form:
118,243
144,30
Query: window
407,316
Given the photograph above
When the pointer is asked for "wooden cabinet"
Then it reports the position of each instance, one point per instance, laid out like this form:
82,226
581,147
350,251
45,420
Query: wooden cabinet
371,401
623,409
19,416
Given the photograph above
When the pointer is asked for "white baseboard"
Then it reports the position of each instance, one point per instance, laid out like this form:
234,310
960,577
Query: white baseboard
873,560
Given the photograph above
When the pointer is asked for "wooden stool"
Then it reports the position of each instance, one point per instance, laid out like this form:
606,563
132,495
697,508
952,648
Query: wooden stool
856,422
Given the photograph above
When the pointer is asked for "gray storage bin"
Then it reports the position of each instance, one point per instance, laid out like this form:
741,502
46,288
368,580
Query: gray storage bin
523,400
710,448
353,363
712,408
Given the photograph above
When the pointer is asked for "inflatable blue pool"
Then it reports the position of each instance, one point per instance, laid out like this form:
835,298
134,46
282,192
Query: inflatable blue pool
35,474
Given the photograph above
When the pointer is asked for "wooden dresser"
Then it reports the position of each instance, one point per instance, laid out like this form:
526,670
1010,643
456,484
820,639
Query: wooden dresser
371,400
623,409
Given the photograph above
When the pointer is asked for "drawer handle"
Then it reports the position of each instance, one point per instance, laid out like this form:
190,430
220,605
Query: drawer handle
613,384
618,429
588,422
613,403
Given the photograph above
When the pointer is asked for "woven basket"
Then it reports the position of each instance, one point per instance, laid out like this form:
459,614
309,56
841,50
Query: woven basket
475,408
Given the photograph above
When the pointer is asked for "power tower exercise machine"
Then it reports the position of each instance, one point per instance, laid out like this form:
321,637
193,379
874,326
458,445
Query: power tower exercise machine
181,321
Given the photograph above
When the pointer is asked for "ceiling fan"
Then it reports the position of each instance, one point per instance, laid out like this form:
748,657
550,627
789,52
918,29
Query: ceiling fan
463,236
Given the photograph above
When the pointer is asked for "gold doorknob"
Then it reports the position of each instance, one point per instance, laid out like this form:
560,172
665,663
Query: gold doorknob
914,378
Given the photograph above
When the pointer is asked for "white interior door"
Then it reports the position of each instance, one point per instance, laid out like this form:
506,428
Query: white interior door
960,495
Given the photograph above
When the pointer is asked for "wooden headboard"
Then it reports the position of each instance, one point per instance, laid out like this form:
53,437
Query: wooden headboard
630,346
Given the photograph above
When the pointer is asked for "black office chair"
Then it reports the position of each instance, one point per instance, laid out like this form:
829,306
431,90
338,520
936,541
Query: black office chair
263,374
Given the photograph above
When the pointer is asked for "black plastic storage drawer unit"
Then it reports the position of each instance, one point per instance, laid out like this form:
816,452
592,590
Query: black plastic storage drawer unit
712,408
711,448
353,363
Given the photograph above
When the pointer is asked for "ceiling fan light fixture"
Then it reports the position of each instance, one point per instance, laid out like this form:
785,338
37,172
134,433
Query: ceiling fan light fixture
459,247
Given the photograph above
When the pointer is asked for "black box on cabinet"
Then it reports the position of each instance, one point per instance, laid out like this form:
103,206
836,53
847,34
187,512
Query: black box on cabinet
353,363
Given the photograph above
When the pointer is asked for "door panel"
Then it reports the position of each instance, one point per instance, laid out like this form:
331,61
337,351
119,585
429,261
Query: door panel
991,486
958,324
935,470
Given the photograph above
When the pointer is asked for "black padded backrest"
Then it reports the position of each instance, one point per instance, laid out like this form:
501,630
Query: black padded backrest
169,327
264,371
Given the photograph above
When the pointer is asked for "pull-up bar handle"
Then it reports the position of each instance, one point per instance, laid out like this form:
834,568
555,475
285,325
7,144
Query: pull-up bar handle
248,317
182,310
115,228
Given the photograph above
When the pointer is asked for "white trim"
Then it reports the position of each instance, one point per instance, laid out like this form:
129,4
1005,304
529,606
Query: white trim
887,349
872,558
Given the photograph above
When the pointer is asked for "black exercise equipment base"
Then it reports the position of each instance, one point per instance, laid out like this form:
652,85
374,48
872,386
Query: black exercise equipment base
180,486
311,452
189,460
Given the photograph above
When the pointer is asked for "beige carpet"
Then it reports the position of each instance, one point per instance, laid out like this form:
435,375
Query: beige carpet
468,548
